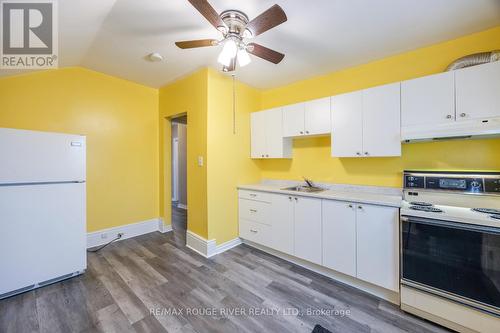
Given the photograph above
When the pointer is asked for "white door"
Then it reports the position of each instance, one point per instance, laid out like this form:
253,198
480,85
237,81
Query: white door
307,243
274,133
293,120
478,91
347,128
428,100
258,134
282,223
339,236
377,245
175,169
382,121
43,233
317,117
34,157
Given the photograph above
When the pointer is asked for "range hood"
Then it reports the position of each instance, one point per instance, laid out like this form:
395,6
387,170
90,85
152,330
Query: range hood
478,128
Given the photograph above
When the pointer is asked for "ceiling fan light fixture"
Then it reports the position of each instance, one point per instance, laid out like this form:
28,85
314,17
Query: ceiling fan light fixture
243,57
228,52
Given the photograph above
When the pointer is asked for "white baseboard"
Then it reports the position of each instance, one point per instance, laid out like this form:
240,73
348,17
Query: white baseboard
208,248
103,236
380,292
182,206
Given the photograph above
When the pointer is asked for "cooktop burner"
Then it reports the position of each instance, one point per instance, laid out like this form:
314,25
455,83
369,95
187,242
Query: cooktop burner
420,203
487,210
426,209
495,216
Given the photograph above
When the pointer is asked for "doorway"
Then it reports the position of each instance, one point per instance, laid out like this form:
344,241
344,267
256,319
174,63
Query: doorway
179,173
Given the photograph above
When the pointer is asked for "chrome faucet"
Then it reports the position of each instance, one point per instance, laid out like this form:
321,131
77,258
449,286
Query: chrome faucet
308,182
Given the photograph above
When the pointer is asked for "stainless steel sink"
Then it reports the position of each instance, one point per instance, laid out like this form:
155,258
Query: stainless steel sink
307,189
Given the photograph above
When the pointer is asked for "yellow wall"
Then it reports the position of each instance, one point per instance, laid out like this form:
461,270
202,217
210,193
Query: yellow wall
186,96
311,157
120,120
228,154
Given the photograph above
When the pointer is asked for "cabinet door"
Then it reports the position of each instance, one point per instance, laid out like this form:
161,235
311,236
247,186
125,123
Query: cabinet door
293,120
258,134
347,119
317,117
307,240
274,134
282,223
382,121
339,236
428,100
377,245
478,91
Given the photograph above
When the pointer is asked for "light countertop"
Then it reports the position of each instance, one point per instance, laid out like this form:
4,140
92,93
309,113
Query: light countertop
384,196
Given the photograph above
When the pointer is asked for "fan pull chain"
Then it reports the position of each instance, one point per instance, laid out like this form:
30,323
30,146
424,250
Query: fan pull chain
234,104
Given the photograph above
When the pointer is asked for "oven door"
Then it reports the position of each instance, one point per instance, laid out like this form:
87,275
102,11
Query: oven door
453,260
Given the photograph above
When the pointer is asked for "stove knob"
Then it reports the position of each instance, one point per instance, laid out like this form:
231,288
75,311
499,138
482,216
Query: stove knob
475,184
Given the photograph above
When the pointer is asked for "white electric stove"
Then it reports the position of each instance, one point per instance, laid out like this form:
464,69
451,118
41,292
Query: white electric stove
450,248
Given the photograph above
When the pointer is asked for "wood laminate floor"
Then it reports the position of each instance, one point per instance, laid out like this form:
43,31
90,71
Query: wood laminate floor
153,283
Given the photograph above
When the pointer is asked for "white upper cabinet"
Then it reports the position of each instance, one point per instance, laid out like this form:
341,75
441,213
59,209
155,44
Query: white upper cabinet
267,135
307,242
377,245
293,120
428,100
382,121
339,236
367,123
347,119
478,91
258,134
309,118
317,117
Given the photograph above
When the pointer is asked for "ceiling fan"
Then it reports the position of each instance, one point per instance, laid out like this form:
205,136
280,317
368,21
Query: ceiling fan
235,28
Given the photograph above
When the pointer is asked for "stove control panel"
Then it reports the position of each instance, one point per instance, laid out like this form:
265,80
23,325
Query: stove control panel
466,182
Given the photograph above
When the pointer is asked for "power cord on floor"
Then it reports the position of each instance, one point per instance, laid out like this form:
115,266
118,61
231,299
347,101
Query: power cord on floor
119,236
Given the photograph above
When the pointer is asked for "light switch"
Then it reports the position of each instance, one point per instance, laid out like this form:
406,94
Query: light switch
200,160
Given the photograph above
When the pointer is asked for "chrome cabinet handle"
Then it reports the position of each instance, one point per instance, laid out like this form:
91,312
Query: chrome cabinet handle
267,155
307,132
448,116
253,195
290,198
360,207
296,199
253,210
301,132
262,155
350,206
366,153
254,231
463,114
358,153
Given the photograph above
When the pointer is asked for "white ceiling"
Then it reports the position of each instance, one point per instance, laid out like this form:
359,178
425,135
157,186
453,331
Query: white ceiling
320,36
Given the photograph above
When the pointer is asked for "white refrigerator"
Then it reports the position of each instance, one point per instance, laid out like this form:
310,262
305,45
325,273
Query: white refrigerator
42,209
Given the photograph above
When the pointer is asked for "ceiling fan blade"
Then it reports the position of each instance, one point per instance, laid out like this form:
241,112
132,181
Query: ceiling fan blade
208,12
231,67
265,53
189,44
267,20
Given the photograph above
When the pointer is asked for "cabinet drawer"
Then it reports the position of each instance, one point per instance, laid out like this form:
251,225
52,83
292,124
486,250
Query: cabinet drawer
256,211
254,195
255,232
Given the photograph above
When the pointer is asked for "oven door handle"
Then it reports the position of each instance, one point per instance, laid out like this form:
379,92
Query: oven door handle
450,224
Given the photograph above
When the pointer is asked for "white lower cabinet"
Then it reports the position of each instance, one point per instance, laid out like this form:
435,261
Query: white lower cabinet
358,240
282,223
339,236
307,218
377,242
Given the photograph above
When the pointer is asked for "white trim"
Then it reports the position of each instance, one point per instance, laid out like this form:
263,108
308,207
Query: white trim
103,236
182,206
162,227
208,248
380,292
